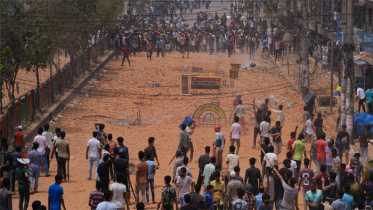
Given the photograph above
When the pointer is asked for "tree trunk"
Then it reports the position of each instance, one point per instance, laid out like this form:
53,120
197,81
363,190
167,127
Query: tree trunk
10,132
37,102
51,81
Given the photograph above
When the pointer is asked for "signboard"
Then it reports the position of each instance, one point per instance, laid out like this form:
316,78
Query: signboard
339,28
209,114
368,44
204,82
359,35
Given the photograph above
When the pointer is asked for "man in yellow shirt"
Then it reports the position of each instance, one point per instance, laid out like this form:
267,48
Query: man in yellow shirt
219,187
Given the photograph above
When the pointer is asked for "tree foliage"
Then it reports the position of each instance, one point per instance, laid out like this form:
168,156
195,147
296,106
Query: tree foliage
30,36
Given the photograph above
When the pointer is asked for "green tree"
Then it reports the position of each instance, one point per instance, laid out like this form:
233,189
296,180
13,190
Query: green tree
14,40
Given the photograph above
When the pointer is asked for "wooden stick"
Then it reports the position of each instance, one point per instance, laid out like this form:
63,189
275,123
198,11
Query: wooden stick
68,169
172,159
133,192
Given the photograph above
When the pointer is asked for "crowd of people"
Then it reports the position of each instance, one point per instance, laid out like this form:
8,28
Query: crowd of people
334,184
161,28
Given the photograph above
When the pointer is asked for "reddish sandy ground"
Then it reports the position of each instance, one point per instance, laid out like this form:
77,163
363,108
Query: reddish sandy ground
115,96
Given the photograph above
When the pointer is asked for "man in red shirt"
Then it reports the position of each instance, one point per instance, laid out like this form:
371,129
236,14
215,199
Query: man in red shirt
290,143
319,178
126,52
320,149
18,137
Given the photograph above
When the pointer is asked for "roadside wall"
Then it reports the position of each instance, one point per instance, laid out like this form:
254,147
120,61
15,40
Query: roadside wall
61,83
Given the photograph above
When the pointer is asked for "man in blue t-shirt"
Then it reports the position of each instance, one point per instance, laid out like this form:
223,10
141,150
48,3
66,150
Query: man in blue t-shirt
369,95
55,195
159,47
259,197
151,171
265,45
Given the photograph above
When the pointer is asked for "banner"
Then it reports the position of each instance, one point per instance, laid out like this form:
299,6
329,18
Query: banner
339,28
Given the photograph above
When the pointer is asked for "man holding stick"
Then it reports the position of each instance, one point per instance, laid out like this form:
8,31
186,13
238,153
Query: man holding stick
290,199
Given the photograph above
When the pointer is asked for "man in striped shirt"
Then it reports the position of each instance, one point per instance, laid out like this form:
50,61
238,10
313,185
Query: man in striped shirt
96,196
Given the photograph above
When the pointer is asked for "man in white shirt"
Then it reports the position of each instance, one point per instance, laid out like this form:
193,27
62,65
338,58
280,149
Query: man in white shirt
239,111
119,192
107,204
42,146
94,149
232,159
293,165
309,129
269,157
235,133
185,165
190,129
360,95
264,129
49,137
185,183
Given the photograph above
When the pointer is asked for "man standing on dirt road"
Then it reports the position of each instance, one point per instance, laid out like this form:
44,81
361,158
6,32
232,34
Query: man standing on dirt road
121,168
126,54
49,136
239,111
36,166
183,140
56,138
94,150
258,120
63,154
101,135
235,133
120,145
18,137
42,146
141,169
265,107
150,149
112,145
55,194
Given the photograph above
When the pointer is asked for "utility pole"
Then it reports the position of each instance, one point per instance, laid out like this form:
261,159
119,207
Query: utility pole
269,26
332,64
347,103
304,69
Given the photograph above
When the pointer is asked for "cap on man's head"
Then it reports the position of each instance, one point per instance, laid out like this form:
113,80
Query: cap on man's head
232,174
23,161
179,151
353,160
329,141
20,127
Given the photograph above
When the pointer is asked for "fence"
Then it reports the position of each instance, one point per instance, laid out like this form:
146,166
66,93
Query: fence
25,107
